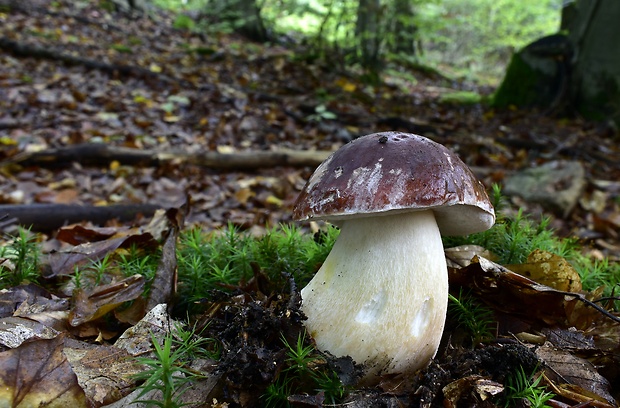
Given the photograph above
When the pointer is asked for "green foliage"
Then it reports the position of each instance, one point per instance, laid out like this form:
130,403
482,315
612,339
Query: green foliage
122,48
19,260
473,36
480,35
597,273
181,4
472,315
135,261
305,372
166,371
183,22
206,262
99,267
460,98
520,387
321,113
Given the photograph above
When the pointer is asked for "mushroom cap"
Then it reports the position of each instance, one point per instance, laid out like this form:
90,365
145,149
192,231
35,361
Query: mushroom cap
391,172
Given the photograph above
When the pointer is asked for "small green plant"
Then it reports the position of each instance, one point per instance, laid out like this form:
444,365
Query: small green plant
227,257
305,372
473,316
321,113
99,267
521,387
166,371
134,261
183,22
19,260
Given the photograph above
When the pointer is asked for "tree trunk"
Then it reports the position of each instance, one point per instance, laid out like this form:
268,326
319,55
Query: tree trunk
367,33
595,33
574,73
242,15
404,29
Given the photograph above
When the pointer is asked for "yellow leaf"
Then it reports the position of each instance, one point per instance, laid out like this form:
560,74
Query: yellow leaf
7,141
274,200
550,270
155,68
346,85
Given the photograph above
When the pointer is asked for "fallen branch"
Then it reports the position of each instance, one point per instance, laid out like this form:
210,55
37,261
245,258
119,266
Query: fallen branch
48,217
24,50
102,155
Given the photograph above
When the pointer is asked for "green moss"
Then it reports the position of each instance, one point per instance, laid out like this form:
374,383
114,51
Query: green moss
520,86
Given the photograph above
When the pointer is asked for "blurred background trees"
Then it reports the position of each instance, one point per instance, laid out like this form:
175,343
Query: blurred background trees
473,38
563,49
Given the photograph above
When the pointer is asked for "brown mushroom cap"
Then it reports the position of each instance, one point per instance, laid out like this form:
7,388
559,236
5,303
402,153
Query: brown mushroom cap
390,172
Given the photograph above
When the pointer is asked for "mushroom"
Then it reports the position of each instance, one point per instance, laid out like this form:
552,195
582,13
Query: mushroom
381,295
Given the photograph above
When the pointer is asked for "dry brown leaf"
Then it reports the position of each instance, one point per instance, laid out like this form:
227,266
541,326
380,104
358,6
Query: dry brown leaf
103,371
15,331
12,299
89,306
38,374
474,386
575,375
515,294
164,284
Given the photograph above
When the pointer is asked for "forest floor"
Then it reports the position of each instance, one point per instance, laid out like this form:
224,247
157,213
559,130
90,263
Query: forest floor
72,73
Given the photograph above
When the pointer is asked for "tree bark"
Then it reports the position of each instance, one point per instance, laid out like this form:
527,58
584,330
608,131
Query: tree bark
367,31
49,217
102,155
595,84
242,15
404,29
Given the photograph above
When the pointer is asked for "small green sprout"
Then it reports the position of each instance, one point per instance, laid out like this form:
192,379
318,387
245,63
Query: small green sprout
521,387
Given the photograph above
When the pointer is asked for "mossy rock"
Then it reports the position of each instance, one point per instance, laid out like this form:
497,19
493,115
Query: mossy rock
536,75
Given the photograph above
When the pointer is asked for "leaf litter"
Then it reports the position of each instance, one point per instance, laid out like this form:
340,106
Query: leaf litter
199,93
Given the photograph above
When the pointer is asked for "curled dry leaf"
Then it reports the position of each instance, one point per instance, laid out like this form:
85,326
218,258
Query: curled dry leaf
91,305
514,294
14,331
574,377
164,284
473,388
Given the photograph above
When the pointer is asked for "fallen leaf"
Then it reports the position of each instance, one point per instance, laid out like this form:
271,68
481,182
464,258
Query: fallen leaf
575,375
38,374
92,305
549,269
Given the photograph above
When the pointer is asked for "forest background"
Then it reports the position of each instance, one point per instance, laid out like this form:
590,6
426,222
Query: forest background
469,40
113,109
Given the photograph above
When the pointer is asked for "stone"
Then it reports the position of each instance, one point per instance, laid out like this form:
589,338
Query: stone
556,186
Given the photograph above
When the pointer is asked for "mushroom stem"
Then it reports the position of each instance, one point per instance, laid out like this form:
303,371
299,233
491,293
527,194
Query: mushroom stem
382,293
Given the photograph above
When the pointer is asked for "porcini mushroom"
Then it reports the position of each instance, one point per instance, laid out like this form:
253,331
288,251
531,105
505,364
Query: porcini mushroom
381,295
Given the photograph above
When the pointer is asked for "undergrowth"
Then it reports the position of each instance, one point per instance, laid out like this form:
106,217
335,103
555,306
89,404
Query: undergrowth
524,390
472,316
512,239
19,260
306,372
166,371
212,261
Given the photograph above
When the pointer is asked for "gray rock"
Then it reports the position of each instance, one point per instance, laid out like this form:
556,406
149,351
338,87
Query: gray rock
557,185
